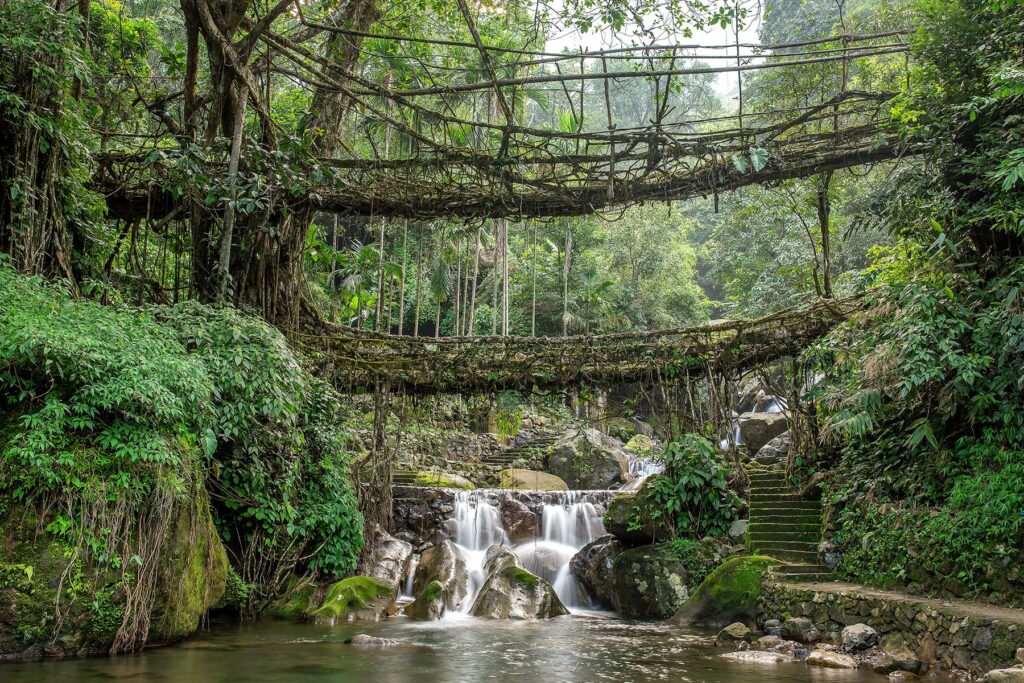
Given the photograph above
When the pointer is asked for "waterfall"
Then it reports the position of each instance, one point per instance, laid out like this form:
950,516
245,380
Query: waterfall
568,521
639,470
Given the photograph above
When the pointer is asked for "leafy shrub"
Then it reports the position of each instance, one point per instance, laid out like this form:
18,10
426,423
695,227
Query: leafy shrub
694,492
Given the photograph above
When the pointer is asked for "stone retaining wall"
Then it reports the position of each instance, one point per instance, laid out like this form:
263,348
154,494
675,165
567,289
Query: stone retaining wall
940,634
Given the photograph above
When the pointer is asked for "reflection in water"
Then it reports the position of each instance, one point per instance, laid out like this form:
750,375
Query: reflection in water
580,647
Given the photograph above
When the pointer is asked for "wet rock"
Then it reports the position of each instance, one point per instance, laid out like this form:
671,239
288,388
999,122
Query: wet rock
1005,676
732,634
757,429
888,663
754,657
587,459
543,558
831,660
801,630
444,564
514,593
859,637
519,522
357,598
593,564
371,641
530,480
767,642
497,558
430,603
630,518
388,559
773,627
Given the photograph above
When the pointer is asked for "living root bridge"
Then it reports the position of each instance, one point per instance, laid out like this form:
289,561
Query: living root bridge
351,359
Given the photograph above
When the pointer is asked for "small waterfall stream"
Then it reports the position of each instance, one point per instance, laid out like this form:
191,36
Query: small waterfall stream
568,520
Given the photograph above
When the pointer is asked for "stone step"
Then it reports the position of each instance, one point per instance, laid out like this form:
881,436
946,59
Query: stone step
793,569
762,538
787,544
812,526
822,577
772,496
801,556
789,505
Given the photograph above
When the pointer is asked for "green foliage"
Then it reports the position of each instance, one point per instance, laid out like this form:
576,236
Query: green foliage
107,400
693,493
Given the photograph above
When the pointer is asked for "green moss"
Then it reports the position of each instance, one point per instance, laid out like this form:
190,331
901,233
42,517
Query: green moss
729,593
431,592
526,578
352,594
443,480
296,603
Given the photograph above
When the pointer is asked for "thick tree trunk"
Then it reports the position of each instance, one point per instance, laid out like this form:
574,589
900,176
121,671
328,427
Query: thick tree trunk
824,224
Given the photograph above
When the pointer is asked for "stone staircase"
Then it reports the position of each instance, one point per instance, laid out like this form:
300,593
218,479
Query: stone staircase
785,526
538,443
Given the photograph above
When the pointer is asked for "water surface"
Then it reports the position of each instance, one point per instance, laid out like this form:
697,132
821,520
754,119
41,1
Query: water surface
577,648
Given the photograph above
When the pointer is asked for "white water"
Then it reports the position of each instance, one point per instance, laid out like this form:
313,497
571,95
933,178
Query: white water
639,470
570,520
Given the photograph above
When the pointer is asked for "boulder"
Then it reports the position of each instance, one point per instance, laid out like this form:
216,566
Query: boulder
773,627
497,558
544,558
757,429
640,444
588,459
859,637
830,659
445,480
593,564
371,641
1020,655
1005,676
430,603
388,559
652,581
634,519
514,593
519,521
733,634
767,642
357,598
775,451
728,594
888,663
752,657
444,564
801,630
738,531
641,428
530,480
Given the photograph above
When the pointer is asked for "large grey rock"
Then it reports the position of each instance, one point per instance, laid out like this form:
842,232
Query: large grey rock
371,641
631,517
738,530
587,459
830,659
757,429
733,634
775,451
593,564
859,637
444,564
519,521
514,593
653,582
388,559
497,558
800,629
1005,676
1020,655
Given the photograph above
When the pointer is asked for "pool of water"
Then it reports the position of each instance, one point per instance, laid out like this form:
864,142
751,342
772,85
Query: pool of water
580,647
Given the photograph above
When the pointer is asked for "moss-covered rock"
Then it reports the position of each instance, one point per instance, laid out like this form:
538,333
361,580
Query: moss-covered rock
728,594
41,568
530,480
635,520
430,603
299,600
442,480
514,593
587,459
654,580
640,444
357,598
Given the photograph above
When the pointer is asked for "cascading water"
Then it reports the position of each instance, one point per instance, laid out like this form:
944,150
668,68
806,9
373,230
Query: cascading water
639,470
568,521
